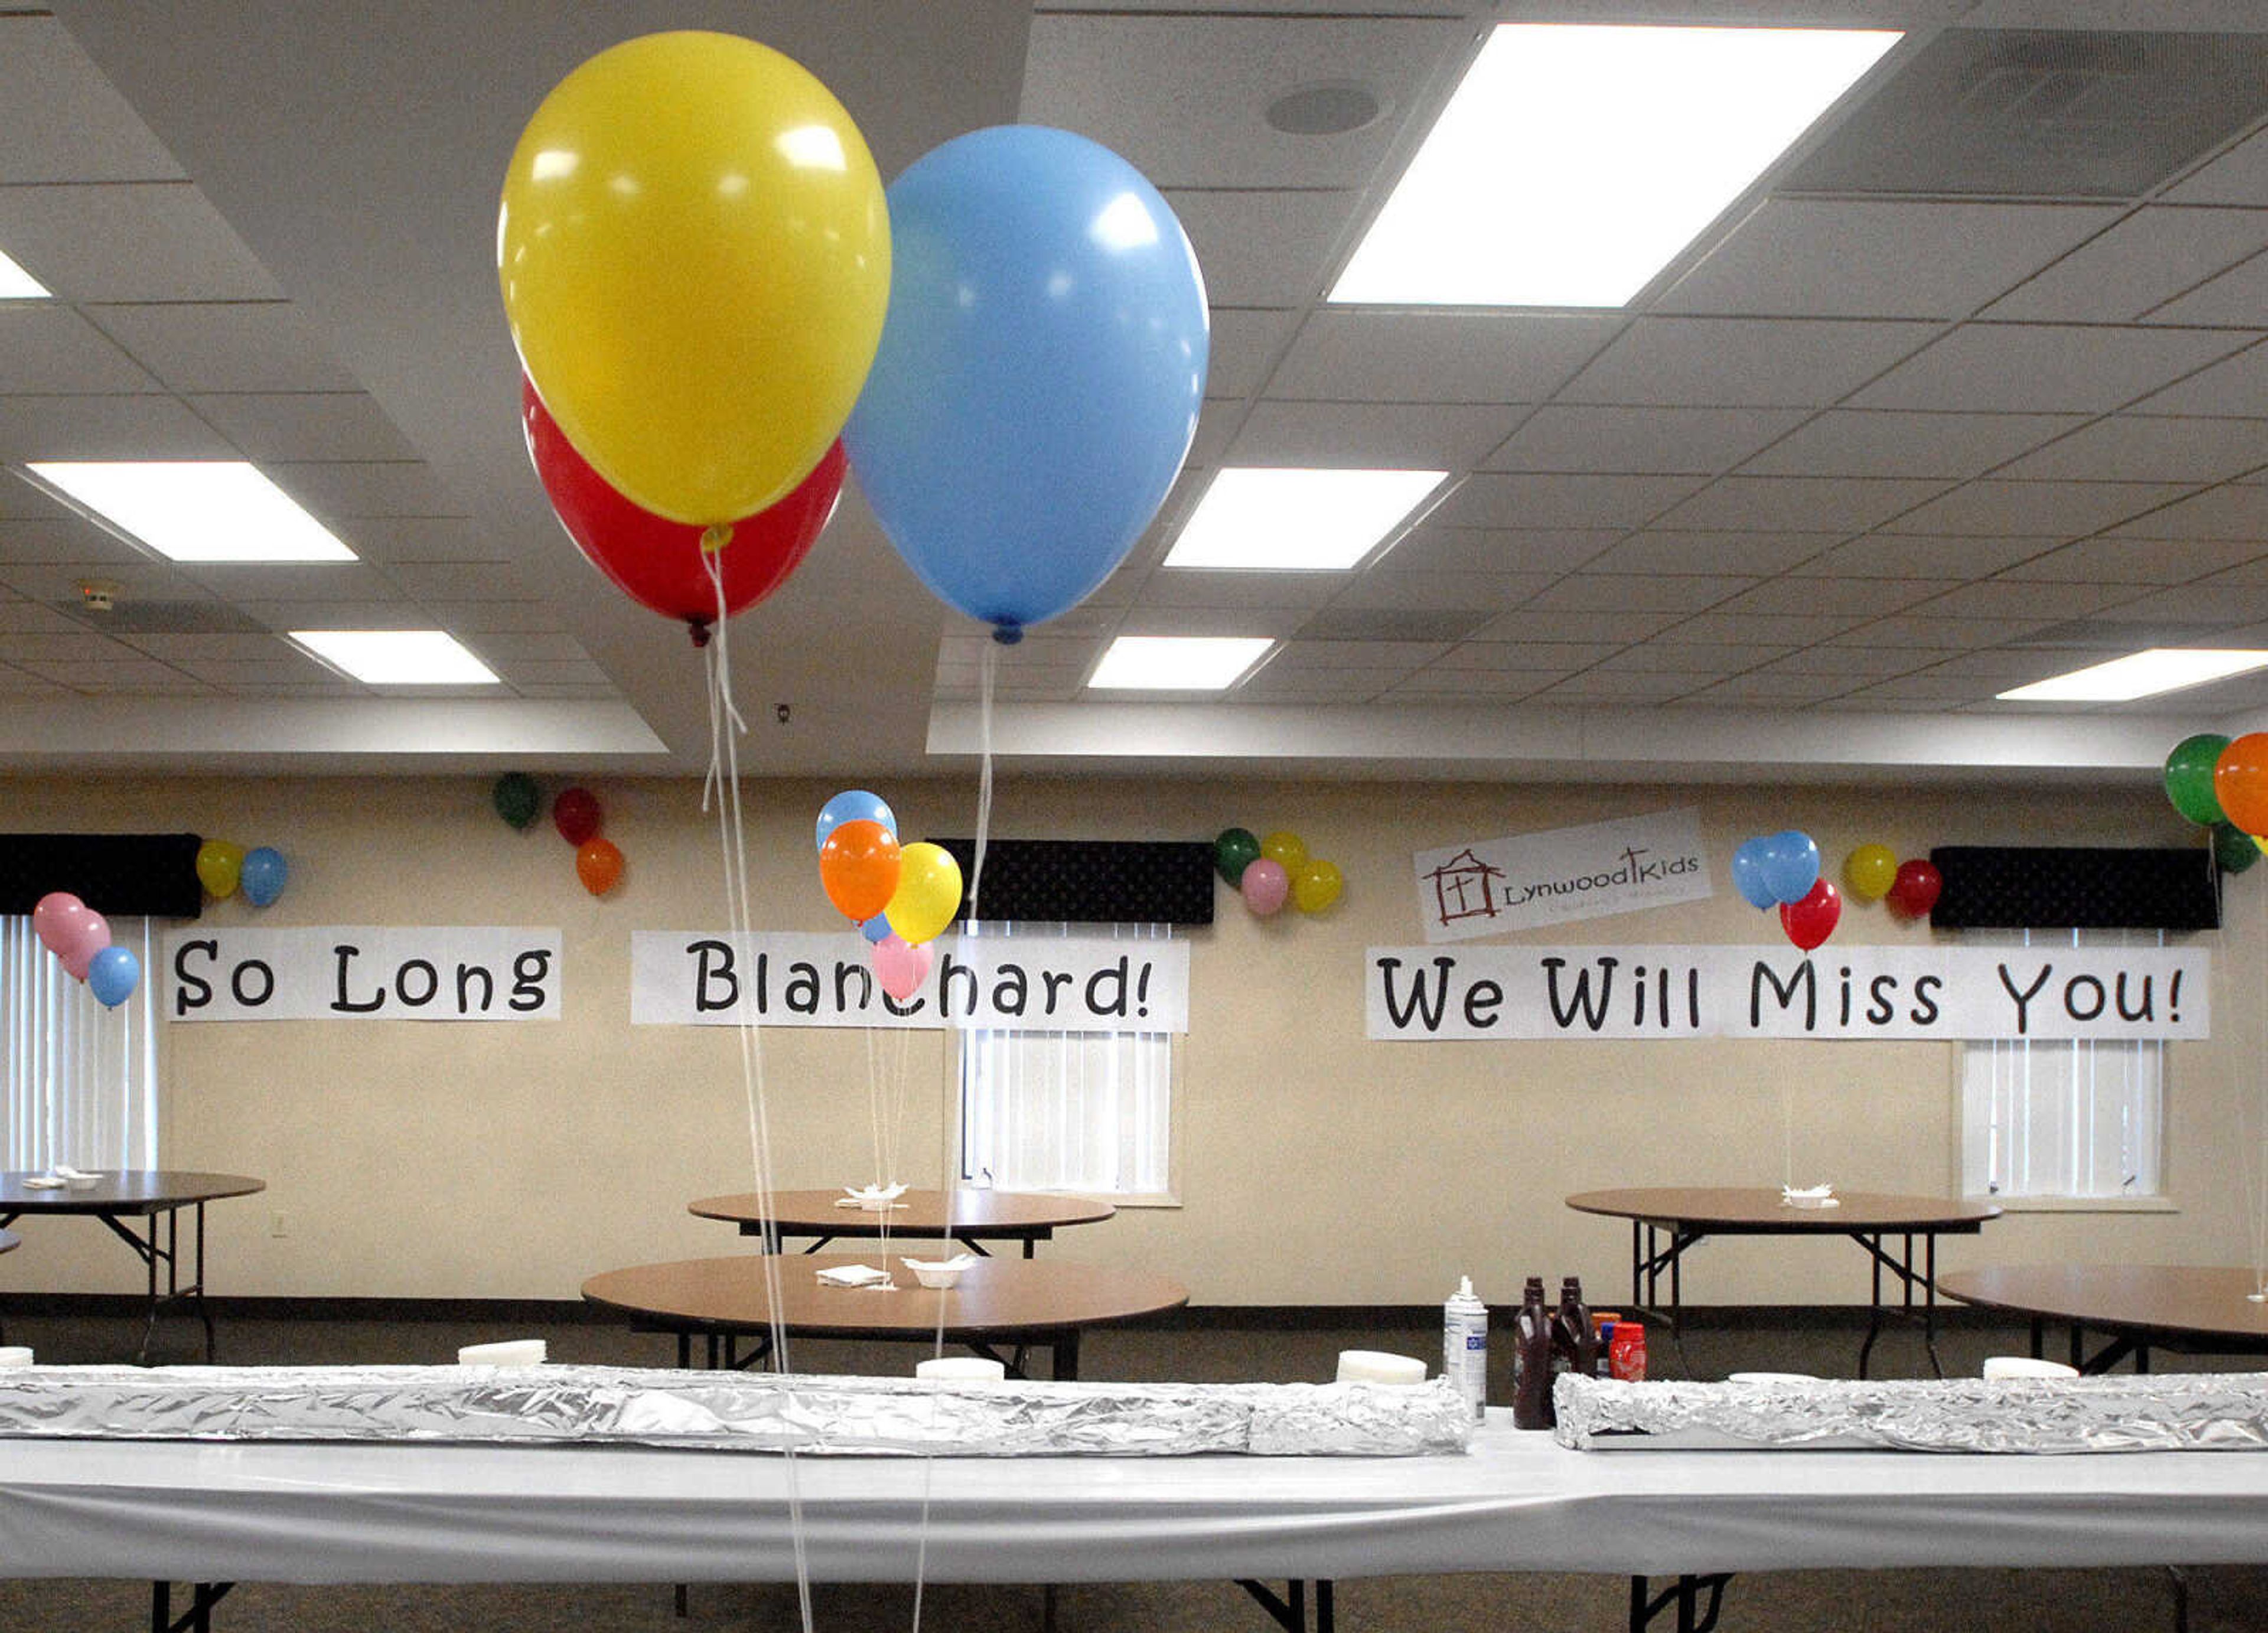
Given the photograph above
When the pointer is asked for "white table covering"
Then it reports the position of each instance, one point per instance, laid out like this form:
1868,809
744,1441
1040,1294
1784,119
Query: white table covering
358,1513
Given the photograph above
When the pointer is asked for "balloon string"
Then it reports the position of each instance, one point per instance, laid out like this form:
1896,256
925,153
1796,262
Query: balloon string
988,670
724,727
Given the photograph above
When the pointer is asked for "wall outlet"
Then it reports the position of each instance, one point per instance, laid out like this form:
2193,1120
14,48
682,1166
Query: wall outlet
277,1224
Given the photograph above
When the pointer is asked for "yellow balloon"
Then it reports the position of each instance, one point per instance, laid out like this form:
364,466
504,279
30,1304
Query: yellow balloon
695,254
928,894
1288,850
1316,885
220,865
1870,871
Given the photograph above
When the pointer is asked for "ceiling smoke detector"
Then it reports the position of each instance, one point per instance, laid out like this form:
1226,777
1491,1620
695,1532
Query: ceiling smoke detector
97,595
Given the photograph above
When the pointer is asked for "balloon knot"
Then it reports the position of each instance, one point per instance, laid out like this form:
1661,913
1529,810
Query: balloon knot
700,629
716,537
1007,634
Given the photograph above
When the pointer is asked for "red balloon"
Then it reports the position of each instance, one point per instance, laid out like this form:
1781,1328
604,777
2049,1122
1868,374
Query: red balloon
1812,919
658,563
1914,890
575,813
2240,782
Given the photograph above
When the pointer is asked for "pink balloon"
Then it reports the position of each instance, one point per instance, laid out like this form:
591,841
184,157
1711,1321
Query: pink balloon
54,911
88,935
900,967
1264,886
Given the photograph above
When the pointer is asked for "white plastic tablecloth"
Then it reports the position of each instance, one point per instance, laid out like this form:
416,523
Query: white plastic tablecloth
361,1512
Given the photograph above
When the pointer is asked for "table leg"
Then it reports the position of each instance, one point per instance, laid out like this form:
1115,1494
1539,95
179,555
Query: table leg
1066,1356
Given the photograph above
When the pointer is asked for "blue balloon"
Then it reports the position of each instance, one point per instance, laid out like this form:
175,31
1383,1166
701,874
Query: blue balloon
262,875
877,930
1749,874
1041,367
853,804
1791,865
112,975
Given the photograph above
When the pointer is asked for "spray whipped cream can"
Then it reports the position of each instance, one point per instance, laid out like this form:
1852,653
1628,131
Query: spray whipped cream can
1464,1346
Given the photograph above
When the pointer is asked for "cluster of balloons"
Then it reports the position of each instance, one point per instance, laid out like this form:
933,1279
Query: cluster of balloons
224,869
80,937
1873,873
597,862
2221,784
902,897
717,308
1267,871
1782,869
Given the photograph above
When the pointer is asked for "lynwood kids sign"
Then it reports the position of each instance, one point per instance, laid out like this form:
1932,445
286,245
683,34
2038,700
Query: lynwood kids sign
1425,994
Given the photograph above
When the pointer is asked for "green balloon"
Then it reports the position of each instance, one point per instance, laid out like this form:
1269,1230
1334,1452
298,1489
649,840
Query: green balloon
2189,778
2232,848
517,799
1236,850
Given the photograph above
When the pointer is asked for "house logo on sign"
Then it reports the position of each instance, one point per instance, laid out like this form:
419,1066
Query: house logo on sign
1463,889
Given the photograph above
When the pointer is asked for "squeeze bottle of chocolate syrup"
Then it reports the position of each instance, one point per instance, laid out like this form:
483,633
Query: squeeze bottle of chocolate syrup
1576,1344
1531,1360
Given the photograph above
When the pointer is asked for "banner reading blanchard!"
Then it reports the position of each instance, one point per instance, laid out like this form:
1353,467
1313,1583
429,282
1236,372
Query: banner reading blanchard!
1424,994
779,978
382,972
1491,886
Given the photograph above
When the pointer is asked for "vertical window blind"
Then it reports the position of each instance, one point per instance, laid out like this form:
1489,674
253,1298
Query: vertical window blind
1090,1112
79,1083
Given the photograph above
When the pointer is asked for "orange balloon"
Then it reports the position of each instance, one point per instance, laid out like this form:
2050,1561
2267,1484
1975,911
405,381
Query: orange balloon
859,865
2240,782
599,865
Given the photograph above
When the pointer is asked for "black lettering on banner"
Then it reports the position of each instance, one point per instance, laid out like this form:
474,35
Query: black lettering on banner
1925,1010
529,971
1054,981
347,954
2144,1012
432,978
1805,979
191,991
1115,977
267,982
1142,992
1882,1008
466,972
715,984
949,969
913,1006
844,971
1481,1001
2070,998
1012,991
2024,998
801,993
1594,1015
1424,1004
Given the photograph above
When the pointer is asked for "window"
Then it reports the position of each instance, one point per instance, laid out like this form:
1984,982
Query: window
1090,1112
2063,1118
78,1083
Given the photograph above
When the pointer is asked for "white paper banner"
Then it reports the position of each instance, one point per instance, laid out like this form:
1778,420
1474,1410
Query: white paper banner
779,978
363,972
1422,994
1495,885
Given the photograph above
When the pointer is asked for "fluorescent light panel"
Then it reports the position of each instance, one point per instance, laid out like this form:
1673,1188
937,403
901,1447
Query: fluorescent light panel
195,510
1297,520
18,285
1176,663
398,657
2138,674
1574,162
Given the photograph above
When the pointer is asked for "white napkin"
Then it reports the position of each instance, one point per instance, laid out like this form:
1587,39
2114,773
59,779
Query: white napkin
873,1198
1809,1196
856,1275
44,1183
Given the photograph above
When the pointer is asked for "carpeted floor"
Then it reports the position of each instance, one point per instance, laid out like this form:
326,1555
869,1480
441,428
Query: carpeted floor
1207,1348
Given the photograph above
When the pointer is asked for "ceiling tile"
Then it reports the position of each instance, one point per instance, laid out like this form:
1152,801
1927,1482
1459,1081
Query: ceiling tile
2208,605
1695,659
282,616
394,538
2015,600
306,425
1834,597
1475,684
1923,555
52,348
2235,511
158,240
1687,552
287,668
134,677
293,581
1184,98
1730,361
1446,592
1365,354
2133,447
1200,586
21,501
2251,572
79,646
1722,629
2239,176
1802,257
2237,387
1562,657
1841,505
21,683
139,577
1490,500
1263,248
1773,688
2238,298
469,619
1858,662
1702,441
544,671
559,648
185,649
1587,593
22,617
252,345
1621,687
1397,655
2031,509
1317,686
1431,547
1243,348
2045,368
1555,625
139,426
365,488
74,541
1370,436
1927,688
1852,442
1276,621
66,122
2112,560
459,581
1219,420
2149,258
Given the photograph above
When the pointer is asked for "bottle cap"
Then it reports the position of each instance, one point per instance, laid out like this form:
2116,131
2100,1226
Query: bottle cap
1464,1287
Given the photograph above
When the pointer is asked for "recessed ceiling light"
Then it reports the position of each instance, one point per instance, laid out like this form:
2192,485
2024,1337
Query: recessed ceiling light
1176,663
1575,161
398,657
18,285
1297,520
1329,109
2138,674
195,510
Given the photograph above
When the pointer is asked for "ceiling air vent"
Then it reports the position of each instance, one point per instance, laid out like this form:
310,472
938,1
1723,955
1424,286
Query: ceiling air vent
126,616
2027,113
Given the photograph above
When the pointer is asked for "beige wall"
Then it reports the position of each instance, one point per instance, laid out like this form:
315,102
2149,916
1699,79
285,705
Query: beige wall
473,1161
